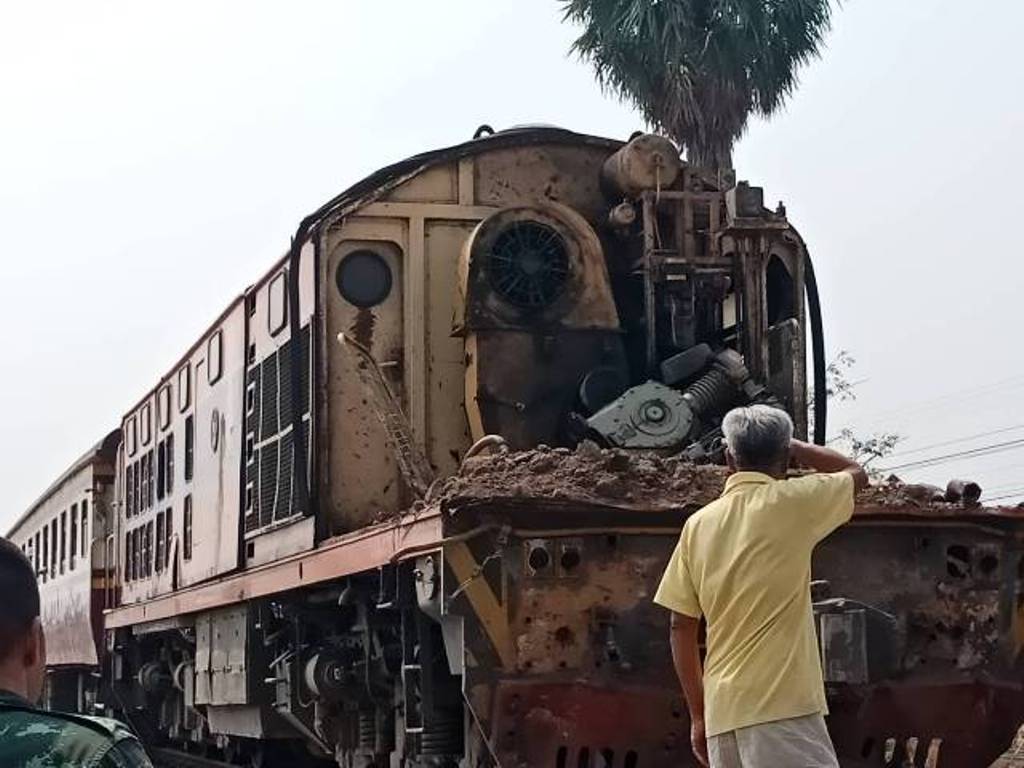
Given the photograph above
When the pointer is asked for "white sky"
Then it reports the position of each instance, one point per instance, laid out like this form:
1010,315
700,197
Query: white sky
154,159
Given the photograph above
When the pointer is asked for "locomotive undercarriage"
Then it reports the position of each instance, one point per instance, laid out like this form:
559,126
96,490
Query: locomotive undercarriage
350,672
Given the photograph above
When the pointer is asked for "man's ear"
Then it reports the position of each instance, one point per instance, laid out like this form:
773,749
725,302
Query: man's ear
730,460
35,645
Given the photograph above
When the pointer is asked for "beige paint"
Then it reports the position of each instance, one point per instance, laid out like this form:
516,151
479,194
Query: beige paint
422,227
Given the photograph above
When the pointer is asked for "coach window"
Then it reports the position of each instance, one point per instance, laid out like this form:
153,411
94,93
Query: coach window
149,548
63,539
46,553
187,533
86,554
164,406
53,548
214,363
35,553
73,537
277,300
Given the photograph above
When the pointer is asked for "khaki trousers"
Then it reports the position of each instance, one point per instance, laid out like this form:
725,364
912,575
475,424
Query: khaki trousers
800,742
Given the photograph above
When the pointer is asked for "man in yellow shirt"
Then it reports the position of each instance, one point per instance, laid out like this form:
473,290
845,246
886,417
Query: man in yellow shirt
744,563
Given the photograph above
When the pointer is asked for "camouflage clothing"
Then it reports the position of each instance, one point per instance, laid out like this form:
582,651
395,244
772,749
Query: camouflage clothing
36,738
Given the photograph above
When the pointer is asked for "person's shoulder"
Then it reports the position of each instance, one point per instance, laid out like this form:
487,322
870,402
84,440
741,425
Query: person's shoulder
63,738
816,486
707,512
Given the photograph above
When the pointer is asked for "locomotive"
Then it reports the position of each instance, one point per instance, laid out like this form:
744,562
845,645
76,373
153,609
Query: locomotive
326,534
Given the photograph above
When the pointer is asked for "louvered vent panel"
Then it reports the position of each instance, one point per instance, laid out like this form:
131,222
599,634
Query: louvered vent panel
269,425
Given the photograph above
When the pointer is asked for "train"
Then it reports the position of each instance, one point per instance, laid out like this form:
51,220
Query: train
406,501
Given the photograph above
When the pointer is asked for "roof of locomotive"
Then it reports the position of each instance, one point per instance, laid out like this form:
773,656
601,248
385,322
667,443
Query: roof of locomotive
105,449
381,182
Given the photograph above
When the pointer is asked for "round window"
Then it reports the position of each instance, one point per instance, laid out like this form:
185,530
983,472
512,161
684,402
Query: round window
364,278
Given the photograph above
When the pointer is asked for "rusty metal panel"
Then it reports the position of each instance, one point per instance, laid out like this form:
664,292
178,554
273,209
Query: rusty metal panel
364,477
447,431
203,670
228,650
360,551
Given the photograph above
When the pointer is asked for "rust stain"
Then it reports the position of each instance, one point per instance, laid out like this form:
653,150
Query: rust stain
363,326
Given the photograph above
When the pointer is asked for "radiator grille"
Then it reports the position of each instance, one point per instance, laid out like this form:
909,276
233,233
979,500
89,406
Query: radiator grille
269,476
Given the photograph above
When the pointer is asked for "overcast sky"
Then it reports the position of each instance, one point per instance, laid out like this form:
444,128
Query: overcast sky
155,158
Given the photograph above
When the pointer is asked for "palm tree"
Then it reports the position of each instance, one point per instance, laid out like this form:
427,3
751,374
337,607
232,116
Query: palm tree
697,69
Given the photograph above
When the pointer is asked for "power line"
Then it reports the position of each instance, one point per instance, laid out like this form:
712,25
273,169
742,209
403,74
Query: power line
954,441
985,450
925,405
1003,497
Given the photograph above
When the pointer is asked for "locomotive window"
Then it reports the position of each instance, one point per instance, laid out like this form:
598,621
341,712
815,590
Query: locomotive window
150,480
130,491
85,530
159,542
164,406
168,532
213,357
161,466
132,437
169,479
364,278
146,423
185,387
187,534
136,549
190,446
277,297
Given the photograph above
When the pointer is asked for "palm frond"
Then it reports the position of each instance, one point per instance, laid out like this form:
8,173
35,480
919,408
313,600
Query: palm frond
697,69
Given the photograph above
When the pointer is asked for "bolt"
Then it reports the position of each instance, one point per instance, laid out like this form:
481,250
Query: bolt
654,412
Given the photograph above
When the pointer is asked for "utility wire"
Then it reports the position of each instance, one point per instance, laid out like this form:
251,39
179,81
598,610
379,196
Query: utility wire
1002,497
1013,382
954,441
985,450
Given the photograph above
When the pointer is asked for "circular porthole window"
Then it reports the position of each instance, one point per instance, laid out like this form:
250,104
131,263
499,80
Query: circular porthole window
364,278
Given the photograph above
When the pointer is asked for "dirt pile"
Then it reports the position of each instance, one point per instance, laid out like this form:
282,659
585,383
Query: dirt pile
634,479
588,474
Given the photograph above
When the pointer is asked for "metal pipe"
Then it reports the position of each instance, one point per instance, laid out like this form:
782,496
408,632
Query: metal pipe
818,349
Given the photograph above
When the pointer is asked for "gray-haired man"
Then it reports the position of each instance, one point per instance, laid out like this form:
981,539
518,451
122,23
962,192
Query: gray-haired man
744,562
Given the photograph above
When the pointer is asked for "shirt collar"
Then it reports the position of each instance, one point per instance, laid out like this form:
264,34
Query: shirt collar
737,479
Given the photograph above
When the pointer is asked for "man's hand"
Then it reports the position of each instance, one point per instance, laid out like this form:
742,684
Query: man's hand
699,742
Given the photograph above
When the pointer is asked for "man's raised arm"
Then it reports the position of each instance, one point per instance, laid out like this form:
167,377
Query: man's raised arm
823,459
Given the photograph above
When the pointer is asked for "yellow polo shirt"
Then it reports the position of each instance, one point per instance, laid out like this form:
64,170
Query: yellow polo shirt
744,562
